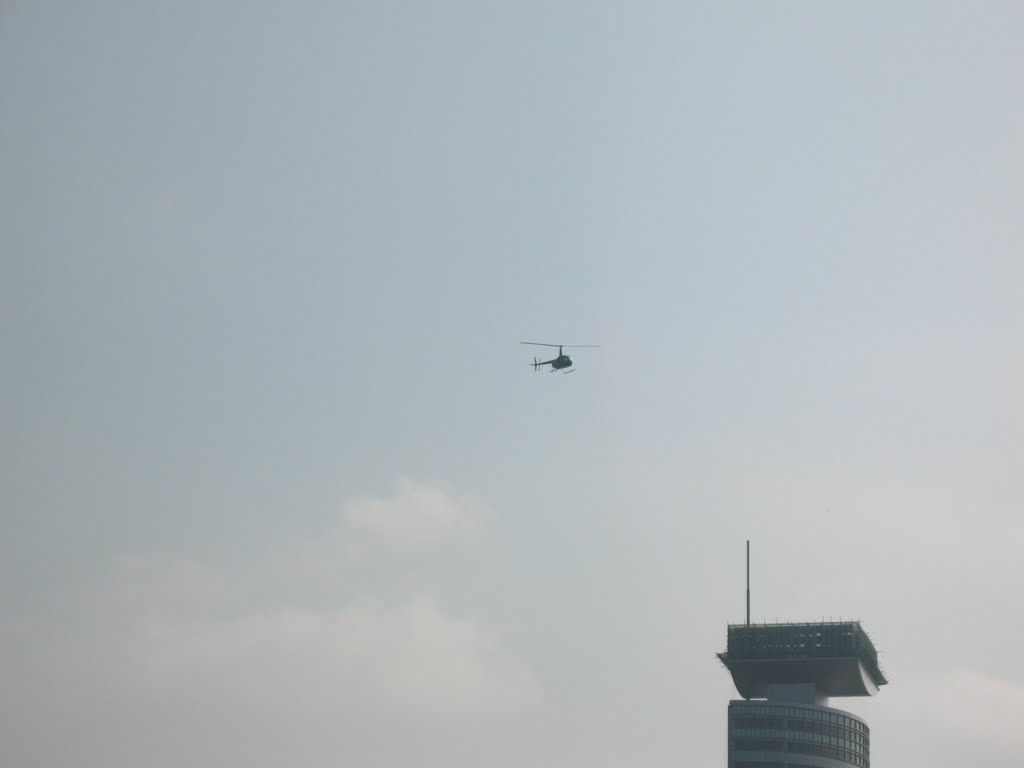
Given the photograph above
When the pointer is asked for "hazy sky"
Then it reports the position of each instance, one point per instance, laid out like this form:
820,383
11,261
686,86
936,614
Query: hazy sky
279,487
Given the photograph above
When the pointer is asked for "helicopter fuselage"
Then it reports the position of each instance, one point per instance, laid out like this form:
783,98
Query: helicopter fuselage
556,363
560,362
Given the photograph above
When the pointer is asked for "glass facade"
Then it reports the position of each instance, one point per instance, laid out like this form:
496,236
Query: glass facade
763,734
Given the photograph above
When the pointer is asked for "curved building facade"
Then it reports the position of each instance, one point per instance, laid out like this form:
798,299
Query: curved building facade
767,734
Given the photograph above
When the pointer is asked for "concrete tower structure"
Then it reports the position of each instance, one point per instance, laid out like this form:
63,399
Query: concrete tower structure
786,674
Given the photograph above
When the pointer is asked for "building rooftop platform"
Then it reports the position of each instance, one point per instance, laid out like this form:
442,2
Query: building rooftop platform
837,657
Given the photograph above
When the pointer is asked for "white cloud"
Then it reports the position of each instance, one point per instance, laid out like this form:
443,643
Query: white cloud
408,661
415,515
229,661
181,624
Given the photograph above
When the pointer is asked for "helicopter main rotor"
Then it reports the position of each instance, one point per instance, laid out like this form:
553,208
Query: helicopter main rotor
542,344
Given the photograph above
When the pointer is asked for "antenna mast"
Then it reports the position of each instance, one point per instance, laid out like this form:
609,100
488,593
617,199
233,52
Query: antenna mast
748,582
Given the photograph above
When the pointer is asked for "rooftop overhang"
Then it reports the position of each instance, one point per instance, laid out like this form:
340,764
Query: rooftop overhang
842,676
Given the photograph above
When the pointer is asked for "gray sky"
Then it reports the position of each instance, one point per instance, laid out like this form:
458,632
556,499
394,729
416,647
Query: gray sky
279,487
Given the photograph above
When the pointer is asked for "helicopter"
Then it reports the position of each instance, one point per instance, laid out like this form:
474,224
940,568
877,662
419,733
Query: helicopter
563,361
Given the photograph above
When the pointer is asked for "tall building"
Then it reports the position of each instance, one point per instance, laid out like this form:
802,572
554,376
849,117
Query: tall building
786,674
